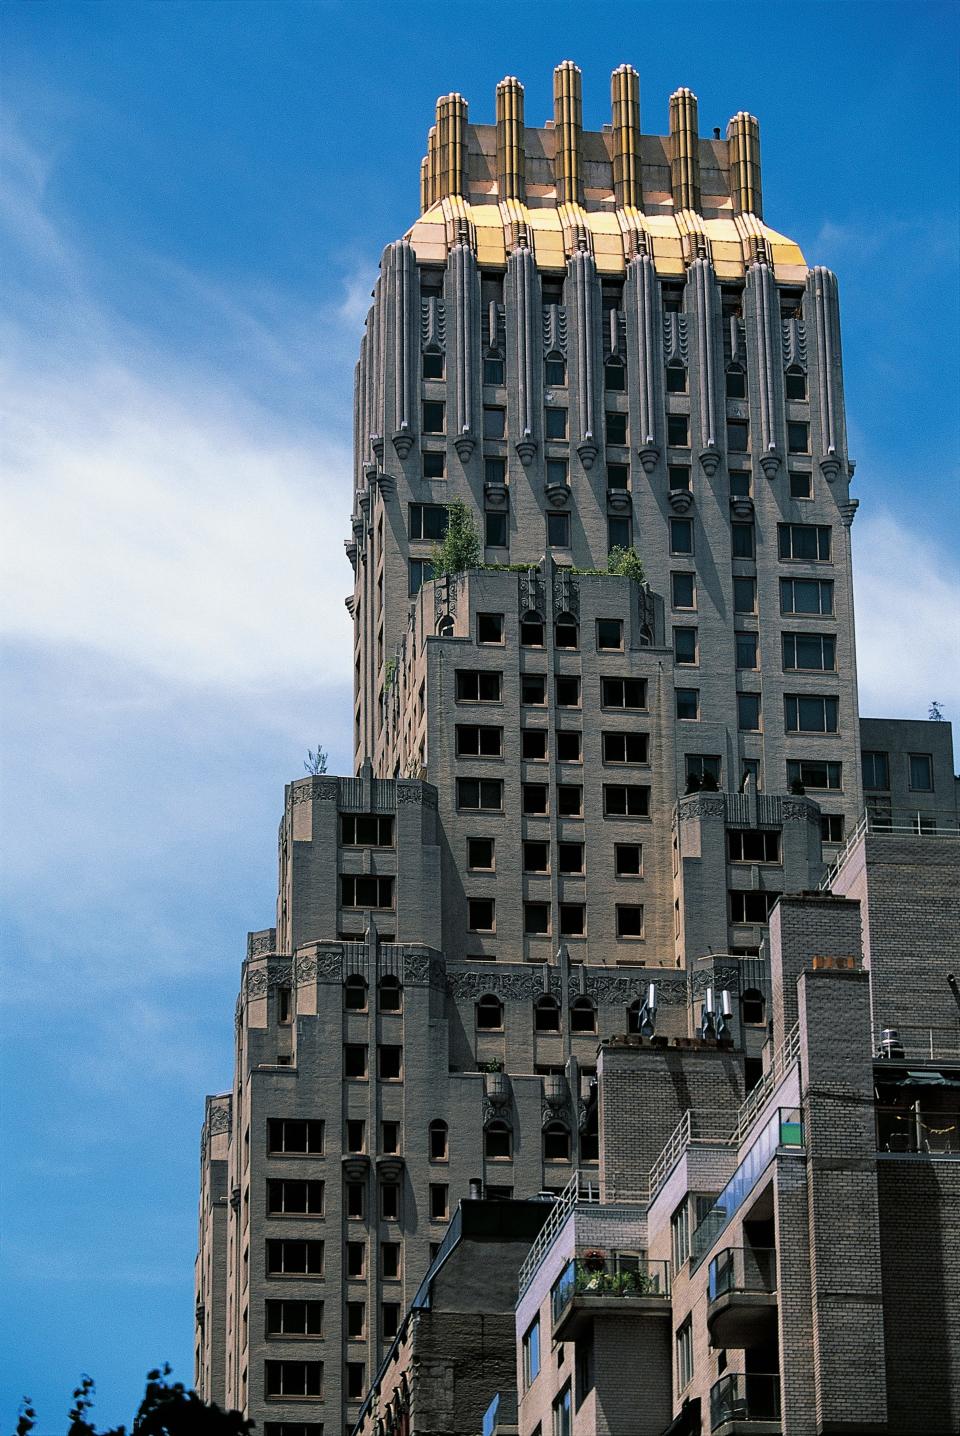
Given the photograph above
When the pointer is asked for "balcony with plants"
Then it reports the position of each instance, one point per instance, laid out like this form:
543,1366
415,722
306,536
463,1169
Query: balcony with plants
599,1283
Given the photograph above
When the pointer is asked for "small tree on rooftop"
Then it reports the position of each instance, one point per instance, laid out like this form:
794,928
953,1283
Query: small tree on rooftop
459,549
625,563
315,762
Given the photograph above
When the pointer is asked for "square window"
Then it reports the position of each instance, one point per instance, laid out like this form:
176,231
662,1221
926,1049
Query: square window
558,530
556,423
810,713
814,773
921,773
476,794
744,595
494,470
629,920
618,476
628,860
494,423
533,743
831,827
801,486
624,747
533,689
573,919
703,765
536,857
688,703
806,595
570,858
746,645
740,484
623,693
810,543
619,533
615,376
534,798
609,633
569,800
738,436
432,364
678,431
616,427
478,685
685,645
476,740
557,474
568,745
683,590
567,691
480,853
480,915
434,465
427,521
495,529
536,918
748,712
676,379
492,369
489,627
678,476
743,540
798,437
434,417
681,536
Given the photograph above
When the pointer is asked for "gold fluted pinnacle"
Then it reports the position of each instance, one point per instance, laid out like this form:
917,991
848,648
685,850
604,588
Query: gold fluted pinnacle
743,139
424,184
511,167
432,163
568,124
625,100
451,144
685,146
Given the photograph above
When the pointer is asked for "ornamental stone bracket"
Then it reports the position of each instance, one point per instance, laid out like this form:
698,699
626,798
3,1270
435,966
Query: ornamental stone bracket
403,441
495,493
526,449
709,460
680,500
649,457
848,511
386,483
588,452
376,444
742,506
619,499
830,467
464,445
559,495
770,464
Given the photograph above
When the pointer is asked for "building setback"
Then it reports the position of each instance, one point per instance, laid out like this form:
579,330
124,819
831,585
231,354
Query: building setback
570,782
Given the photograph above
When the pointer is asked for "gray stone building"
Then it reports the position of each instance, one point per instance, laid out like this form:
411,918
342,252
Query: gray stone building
569,782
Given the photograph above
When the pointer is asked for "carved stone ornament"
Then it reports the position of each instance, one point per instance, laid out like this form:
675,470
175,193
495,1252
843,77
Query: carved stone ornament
355,1167
490,1113
722,978
501,984
742,506
409,792
709,461
770,464
588,452
276,973
559,495
619,499
218,1117
649,457
702,808
526,448
680,500
403,442
495,493
420,969
830,467
464,445
262,944
792,811
550,1114
610,988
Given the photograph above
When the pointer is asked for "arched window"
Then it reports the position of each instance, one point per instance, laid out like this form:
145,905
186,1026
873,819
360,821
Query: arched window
497,1141
437,1132
736,382
615,375
489,1013
752,1006
445,627
531,630
583,1015
391,994
634,1019
676,379
556,1142
355,993
566,635
493,367
546,1014
554,370
796,382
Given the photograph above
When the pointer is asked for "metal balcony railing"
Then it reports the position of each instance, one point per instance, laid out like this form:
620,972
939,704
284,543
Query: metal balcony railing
783,1129
580,1190
898,822
742,1269
918,1129
919,1044
745,1396
615,1274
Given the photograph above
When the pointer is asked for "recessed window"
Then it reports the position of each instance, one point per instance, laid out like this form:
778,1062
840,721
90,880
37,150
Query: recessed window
536,857
681,536
623,693
390,1062
747,650
569,800
555,371
490,1013
628,860
480,853
609,634
753,1007
293,1379
685,645
831,827
489,627
738,436
801,486
736,382
497,1142
356,1382
287,1197
798,437
568,745
748,712
814,773
437,1137
478,685
439,1201
704,766
389,1260
795,383
556,1142
365,892
493,369
676,379
614,376
685,1354
625,747
814,651
480,793
356,1320
876,770
389,1319
678,431
583,1015
420,572
678,477
806,595
434,421
390,1137
565,634
546,1014
744,595
808,542
811,713
390,1201
531,630
683,590
557,474
434,464
534,798
556,423
619,532
616,427
688,704
531,1353
567,691
427,521
618,476
533,743
294,1318
741,485
742,540
621,800
356,1135
558,529
433,364
494,423
629,920
355,993
753,845
476,740
750,905
480,914
570,858
536,918
495,529
921,773
292,1135
294,1258
533,689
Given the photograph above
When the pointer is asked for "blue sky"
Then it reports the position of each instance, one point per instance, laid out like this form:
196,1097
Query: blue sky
193,199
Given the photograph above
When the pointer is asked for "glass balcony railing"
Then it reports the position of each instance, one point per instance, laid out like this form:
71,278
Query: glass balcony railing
917,1129
744,1396
742,1269
623,1275
783,1129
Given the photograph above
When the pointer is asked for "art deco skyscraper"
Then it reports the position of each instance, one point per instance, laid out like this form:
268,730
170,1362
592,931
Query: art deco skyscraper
567,780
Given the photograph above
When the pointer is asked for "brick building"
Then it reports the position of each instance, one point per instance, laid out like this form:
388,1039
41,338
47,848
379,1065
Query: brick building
575,773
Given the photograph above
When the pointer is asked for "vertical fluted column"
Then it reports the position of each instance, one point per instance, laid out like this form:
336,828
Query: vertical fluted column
685,150
582,291
424,184
763,303
378,336
568,127
433,166
452,144
511,158
643,286
822,284
743,140
526,319
463,267
703,281
406,328
625,104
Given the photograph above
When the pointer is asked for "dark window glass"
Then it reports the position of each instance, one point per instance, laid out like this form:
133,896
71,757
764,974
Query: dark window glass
808,542
625,747
480,915
748,712
876,770
573,923
556,423
619,533
490,1013
534,743
536,918
565,634
683,590
489,627
558,530
533,689
678,431
434,421
434,465
427,521
421,572
738,436
495,529
536,857
736,383
546,1014
629,920
621,800
809,651
531,630
614,376
432,365
681,536
921,773
743,540
568,746
618,476
678,476
810,713
478,685
534,797
493,369
494,423
746,646
570,857
567,691
801,486
798,437
616,427
609,633
831,827
806,595
814,773
688,703
480,853
676,379
628,859
480,793
753,845
569,800
795,383
479,741
744,595
685,645
554,371
740,483
623,692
